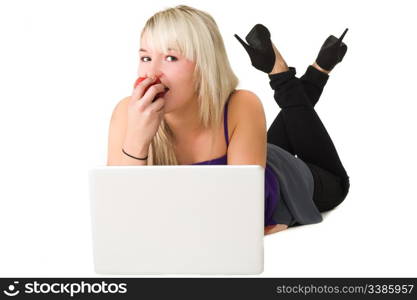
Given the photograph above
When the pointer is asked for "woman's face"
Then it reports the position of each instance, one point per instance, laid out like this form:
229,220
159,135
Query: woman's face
174,71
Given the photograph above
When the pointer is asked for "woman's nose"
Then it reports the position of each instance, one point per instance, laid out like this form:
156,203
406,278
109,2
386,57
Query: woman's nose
154,70
154,74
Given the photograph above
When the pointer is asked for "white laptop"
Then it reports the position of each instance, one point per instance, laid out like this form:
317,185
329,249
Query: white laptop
195,219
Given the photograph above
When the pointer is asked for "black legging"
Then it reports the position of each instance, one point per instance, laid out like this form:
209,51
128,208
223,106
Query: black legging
299,130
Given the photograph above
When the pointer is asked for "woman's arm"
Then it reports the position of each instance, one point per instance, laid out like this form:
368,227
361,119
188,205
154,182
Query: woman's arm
116,140
248,141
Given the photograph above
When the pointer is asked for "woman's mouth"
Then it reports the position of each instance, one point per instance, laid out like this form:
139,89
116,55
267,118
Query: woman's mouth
161,95
165,91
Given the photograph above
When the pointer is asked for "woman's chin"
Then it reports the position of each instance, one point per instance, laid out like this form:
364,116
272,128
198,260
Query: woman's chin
167,108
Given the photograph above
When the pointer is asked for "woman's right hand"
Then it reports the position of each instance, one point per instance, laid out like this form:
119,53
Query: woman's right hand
144,116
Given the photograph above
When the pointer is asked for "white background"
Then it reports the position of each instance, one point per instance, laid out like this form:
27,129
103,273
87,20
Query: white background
65,64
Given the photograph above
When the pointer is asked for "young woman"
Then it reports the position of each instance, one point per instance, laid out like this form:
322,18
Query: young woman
196,115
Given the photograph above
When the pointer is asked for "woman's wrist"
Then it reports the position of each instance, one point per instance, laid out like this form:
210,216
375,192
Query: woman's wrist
137,158
135,151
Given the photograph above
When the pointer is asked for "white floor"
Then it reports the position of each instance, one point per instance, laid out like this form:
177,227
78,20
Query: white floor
363,237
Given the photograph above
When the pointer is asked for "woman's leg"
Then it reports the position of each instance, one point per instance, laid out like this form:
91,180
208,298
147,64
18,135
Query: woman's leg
313,82
299,129
303,130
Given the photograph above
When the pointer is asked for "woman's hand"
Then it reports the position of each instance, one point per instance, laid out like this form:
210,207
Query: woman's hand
274,228
144,116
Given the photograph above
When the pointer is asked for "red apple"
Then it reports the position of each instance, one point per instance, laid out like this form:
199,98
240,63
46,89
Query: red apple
140,79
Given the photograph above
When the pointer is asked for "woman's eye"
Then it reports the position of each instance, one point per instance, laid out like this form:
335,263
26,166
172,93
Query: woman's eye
143,58
173,58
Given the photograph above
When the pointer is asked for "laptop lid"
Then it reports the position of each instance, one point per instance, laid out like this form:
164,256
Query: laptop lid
178,219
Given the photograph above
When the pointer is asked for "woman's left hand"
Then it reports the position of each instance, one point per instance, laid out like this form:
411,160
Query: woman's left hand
274,228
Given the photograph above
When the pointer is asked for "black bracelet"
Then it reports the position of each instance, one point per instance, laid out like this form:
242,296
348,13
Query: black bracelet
145,158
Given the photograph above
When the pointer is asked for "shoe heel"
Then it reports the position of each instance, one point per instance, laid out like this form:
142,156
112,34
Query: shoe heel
343,35
247,47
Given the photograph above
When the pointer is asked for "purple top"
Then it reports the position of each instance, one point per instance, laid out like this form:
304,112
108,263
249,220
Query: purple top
271,183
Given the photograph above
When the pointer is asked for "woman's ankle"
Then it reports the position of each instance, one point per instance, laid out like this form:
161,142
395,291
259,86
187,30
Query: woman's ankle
280,64
315,65
279,68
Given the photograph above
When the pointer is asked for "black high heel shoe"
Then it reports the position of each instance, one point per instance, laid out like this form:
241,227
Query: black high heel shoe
332,52
260,49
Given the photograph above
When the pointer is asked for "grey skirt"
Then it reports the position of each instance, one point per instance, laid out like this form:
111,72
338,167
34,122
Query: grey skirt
296,186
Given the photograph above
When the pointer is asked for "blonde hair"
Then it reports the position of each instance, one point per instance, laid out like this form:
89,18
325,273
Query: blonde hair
196,35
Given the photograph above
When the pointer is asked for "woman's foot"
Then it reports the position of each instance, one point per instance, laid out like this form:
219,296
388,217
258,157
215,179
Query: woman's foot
263,54
331,52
